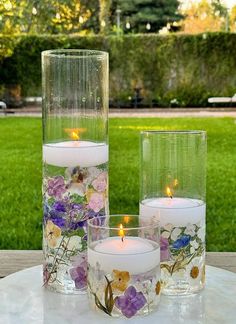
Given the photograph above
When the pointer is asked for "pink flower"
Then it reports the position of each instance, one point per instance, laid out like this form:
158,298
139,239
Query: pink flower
100,183
96,202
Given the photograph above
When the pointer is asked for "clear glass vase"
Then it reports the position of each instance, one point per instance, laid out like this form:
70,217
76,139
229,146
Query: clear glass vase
172,190
75,161
123,266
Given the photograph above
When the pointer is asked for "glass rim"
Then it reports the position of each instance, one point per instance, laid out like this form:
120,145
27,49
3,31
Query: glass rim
75,53
173,132
139,227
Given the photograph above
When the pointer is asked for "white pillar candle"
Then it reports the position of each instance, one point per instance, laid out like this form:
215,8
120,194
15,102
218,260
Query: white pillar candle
73,153
134,254
176,211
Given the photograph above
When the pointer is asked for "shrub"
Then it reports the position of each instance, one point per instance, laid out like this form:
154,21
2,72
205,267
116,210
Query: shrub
188,68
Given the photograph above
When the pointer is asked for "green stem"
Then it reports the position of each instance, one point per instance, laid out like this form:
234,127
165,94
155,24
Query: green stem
54,265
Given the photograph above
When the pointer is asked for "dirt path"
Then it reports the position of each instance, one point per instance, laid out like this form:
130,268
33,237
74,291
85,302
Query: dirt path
140,113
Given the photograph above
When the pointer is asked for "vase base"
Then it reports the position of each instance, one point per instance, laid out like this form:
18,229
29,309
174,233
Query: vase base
181,288
65,290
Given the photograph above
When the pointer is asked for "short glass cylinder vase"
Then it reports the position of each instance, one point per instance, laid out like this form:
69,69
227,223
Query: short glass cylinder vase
123,266
172,190
75,161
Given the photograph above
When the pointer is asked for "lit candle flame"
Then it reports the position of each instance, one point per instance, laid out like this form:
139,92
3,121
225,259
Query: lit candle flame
74,133
169,193
121,233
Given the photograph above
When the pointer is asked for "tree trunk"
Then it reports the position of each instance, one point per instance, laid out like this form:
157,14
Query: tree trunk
104,16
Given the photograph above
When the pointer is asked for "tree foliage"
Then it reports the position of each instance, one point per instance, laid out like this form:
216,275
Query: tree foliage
184,69
139,13
208,16
47,16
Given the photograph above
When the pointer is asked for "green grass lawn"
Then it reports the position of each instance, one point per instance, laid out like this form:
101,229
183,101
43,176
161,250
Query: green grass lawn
20,176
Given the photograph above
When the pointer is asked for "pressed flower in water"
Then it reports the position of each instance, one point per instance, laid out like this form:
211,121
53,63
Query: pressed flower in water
194,271
56,187
181,242
120,281
79,275
175,233
52,233
131,302
190,229
158,288
100,183
96,202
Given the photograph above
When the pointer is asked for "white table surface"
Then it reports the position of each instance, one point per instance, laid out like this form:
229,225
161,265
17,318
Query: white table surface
24,301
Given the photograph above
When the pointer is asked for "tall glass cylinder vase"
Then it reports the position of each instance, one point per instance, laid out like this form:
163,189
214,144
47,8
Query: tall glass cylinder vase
172,189
75,161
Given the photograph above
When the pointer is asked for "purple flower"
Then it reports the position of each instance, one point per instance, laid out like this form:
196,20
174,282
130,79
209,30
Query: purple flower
77,219
130,302
165,253
59,206
56,187
181,242
79,275
59,221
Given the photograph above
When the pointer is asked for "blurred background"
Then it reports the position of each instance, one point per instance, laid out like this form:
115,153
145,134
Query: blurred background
163,53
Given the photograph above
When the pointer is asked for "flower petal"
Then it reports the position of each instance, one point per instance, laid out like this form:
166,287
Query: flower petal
122,302
129,311
139,301
131,292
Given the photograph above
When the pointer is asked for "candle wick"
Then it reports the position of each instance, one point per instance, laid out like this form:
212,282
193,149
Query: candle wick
171,197
122,238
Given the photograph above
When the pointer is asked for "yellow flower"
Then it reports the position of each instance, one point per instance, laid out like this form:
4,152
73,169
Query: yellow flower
52,233
194,272
121,279
158,287
89,193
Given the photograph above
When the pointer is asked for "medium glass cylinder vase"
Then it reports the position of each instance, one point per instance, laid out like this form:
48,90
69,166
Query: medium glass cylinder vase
172,189
75,161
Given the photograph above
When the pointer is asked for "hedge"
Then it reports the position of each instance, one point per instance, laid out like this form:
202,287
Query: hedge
178,69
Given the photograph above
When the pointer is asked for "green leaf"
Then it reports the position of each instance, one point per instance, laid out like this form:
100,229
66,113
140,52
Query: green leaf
109,301
78,199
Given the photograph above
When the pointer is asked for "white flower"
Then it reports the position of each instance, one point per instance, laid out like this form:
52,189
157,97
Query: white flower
201,233
165,234
190,229
77,188
194,246
168,227
194,271
175,233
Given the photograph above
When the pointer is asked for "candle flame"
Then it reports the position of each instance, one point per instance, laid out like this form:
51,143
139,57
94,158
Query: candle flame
169,193
121,232
74,133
